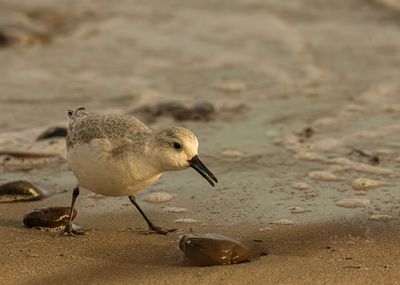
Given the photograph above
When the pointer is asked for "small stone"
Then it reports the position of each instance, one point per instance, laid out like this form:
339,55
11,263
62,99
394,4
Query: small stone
4,39
53,132
158,197
213,249
20,191
203,110
48,217
353,203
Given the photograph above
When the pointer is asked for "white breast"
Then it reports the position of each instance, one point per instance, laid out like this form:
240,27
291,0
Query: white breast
101,173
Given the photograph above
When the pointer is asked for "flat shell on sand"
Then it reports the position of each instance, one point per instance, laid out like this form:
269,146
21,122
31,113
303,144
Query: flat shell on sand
158,197
353,203
306,155
300,185
379,217
232,153
361,167
174,210
48,217
231,86
324,123
323,175
213,249
365,184
20,191
185,220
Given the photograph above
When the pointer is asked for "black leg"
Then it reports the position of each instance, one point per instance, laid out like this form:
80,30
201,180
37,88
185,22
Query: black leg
152,228
68,228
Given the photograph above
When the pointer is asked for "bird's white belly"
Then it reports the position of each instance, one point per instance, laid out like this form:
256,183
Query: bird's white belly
101,173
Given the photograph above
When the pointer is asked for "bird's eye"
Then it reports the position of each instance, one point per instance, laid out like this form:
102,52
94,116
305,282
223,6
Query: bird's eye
177,146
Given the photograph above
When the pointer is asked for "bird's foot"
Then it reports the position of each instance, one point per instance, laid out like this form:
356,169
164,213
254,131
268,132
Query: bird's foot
158,230
70,231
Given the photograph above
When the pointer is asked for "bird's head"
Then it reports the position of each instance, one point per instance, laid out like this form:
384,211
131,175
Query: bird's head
177,149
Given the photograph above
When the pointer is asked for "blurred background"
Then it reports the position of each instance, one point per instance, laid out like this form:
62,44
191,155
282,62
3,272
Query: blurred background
56,55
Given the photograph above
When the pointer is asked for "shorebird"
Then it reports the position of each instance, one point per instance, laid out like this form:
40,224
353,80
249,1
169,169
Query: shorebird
118,155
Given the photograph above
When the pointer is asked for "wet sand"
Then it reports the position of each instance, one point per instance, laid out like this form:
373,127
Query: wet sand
308,108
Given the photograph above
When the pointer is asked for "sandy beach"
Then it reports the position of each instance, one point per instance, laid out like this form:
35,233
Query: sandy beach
304,137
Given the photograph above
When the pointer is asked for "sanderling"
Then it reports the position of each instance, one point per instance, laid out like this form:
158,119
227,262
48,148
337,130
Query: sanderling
118,155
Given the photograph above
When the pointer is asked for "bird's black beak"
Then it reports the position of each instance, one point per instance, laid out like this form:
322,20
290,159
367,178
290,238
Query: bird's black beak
196,164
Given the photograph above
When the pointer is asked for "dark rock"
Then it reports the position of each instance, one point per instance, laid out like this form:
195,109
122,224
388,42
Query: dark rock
48,217
204,110
20,191
213,249
4,40
53,133
306,133
201,111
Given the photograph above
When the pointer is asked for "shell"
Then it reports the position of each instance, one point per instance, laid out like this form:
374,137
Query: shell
174,209
323,175
20,191
48,217
300,185
213,249
158,197
365,184
380,217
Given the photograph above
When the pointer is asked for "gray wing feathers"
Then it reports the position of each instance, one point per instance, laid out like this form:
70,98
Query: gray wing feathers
118,129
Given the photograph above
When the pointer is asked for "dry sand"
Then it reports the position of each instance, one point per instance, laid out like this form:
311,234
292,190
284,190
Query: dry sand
272,70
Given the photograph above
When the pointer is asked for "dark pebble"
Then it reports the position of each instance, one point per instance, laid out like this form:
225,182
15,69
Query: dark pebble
4,40
20,191
204,110
53,132
48,217
213,249
201,111
175,109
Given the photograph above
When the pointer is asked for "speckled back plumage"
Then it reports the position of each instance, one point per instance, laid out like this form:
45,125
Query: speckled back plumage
84,127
